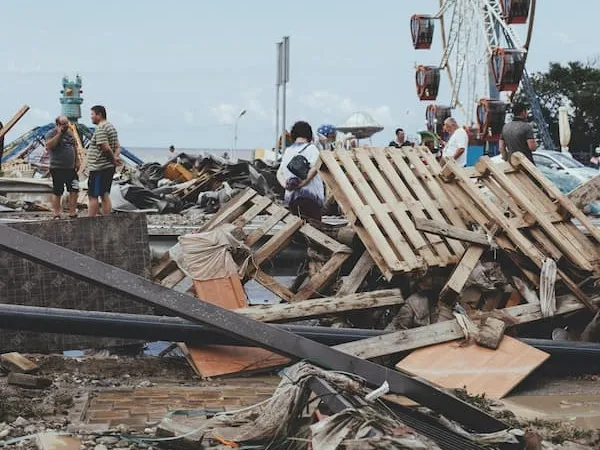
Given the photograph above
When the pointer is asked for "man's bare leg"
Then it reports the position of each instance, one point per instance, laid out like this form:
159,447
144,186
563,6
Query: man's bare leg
73,203
106,205
92,206
56,209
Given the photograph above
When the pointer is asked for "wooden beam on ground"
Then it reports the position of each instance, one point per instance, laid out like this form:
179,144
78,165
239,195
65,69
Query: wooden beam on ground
12,122
358,274
438,333
585,193
307,309
450,231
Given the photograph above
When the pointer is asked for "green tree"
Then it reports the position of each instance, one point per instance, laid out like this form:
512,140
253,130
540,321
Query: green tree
575,85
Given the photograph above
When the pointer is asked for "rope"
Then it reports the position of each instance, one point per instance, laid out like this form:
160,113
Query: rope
547,292
467,326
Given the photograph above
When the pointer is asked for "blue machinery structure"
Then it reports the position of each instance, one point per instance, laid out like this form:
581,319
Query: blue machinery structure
70,101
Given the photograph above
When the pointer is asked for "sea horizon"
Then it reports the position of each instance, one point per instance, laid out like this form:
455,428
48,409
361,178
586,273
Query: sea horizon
162,155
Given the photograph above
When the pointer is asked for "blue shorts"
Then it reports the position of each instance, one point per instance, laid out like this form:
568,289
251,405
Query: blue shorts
100,182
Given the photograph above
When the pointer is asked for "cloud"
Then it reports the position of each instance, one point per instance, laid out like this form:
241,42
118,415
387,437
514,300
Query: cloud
251,101
253,104
225,113
332,104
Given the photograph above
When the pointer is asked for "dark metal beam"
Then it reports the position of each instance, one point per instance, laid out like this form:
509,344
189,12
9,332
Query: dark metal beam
263,335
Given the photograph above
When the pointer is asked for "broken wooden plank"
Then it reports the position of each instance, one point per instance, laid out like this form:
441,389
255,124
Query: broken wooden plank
308,309
230,211
28,381
271,284
450,231
585,193
461,274
320,279
13,121
353,281
15,362
277,242
276,214
404,340
482,371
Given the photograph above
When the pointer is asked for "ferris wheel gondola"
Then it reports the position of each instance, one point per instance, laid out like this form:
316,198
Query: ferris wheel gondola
484,47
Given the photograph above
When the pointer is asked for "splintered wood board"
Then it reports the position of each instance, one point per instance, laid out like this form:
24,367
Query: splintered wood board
480,370
218,360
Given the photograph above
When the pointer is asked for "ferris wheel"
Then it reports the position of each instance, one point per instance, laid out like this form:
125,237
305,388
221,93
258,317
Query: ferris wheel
484,46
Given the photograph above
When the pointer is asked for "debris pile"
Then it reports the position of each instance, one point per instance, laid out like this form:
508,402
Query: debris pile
435,273
186,182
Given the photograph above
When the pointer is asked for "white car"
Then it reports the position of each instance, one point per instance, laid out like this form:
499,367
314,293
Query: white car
564,163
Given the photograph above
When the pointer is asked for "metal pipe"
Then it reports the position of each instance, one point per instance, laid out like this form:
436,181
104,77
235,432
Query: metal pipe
149,328
167,328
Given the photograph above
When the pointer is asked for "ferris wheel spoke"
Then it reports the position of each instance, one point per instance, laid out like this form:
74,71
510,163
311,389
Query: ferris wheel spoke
453,34
513,40
462,57
447,4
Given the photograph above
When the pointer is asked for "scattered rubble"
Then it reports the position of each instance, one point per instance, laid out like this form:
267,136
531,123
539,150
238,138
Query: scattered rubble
473,257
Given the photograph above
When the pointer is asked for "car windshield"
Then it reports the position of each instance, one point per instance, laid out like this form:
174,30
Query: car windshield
567,161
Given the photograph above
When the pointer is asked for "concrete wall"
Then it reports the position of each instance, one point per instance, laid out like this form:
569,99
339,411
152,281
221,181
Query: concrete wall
120,240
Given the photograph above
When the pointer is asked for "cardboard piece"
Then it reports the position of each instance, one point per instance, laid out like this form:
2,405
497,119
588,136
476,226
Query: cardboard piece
480,370
217,360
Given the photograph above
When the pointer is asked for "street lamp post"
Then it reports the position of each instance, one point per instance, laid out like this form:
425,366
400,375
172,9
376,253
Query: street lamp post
235,133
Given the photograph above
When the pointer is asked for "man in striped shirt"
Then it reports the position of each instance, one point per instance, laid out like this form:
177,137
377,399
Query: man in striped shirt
103,157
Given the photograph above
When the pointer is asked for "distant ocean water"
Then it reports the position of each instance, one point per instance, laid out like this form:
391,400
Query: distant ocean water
162,155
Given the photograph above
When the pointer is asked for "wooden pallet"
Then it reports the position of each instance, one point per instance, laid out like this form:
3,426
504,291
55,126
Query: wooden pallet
382,191
240,211
246,206
531,214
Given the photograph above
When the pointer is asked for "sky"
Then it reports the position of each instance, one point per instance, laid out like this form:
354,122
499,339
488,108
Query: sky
179,72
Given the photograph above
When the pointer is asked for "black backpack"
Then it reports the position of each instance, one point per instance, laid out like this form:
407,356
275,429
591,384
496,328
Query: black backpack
299,165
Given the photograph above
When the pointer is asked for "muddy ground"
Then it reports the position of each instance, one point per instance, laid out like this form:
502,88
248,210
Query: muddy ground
24,412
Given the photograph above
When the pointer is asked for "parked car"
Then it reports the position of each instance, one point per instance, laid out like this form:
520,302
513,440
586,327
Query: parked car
565,179
563,162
